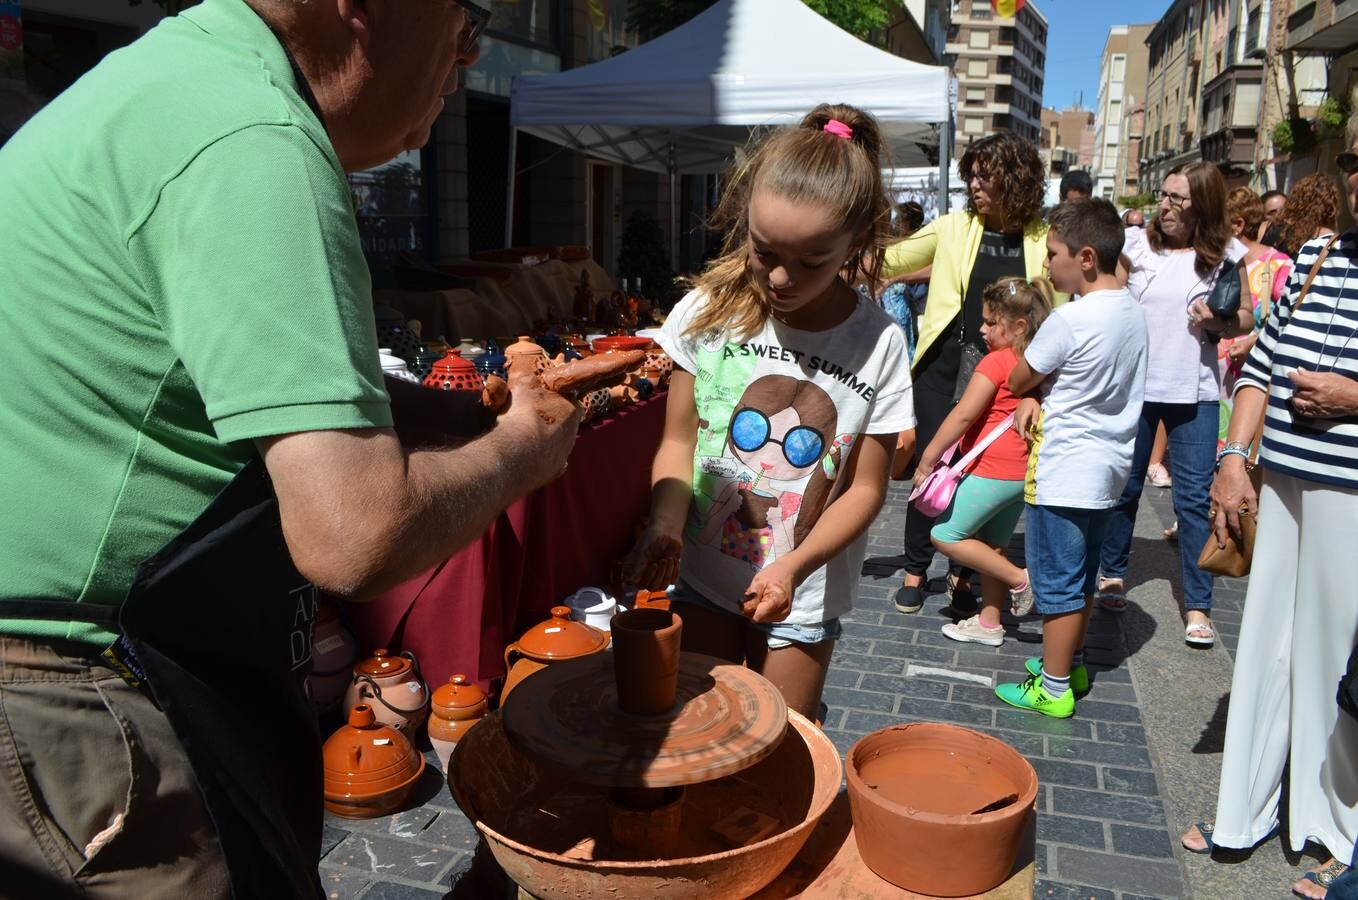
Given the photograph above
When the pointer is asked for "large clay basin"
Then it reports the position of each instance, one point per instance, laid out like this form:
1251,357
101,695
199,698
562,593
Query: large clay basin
503,791
912,789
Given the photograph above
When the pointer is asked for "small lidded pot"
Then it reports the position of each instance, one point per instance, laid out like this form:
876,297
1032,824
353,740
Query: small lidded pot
393,687
453,373
523,357
369,767
548,642
456,707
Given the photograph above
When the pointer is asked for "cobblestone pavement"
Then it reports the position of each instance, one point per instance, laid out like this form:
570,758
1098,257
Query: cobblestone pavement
1105,828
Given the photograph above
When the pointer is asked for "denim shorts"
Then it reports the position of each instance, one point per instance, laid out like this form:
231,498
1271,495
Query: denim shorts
779,634
1062,547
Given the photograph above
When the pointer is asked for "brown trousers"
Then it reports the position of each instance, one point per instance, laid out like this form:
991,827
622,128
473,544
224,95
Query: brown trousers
96,795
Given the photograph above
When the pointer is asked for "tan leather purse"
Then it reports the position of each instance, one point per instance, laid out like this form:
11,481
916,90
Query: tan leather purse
1233,560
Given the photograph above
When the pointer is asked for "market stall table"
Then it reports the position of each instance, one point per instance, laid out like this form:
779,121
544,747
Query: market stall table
458,616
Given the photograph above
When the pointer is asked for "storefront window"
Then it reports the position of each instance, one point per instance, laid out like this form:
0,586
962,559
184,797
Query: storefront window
392,205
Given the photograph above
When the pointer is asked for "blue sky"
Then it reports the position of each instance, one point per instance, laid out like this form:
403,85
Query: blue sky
1076,31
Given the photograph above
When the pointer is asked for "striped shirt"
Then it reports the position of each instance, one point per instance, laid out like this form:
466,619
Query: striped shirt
1320,336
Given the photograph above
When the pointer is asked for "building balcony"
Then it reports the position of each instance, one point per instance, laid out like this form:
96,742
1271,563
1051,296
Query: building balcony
1310,31
1230,147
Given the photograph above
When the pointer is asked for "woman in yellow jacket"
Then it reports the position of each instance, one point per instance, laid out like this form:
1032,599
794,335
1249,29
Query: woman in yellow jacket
999,234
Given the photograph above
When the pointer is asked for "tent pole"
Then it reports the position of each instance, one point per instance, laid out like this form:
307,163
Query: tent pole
674,213
944,164
509,194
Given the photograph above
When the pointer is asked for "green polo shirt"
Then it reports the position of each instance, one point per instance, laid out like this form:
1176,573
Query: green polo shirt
180,273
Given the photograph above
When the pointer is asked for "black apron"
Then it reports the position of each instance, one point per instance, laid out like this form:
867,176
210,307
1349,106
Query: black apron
218,626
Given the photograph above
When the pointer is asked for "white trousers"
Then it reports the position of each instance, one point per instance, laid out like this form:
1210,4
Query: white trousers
1299,625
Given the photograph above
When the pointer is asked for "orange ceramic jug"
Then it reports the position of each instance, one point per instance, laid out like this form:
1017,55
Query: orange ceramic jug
456,707
393,687
369,767
547,642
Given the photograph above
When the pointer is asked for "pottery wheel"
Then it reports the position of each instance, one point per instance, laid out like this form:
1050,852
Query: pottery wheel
725,719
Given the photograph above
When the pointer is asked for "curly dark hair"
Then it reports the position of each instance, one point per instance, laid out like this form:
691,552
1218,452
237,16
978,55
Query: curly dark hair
1015,169
1312,204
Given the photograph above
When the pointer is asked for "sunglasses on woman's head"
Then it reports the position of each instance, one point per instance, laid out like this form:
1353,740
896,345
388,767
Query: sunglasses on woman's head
750,430
1347,162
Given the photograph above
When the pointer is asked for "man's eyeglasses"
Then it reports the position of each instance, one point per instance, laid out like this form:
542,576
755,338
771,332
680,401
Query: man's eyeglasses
1176,201
478,17
1347,162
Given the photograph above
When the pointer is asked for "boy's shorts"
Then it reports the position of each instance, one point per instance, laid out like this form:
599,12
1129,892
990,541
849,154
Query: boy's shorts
1062,547
987,509
779,634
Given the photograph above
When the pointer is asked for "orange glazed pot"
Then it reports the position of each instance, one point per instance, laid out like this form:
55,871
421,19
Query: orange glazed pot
456,707
369,767
545,643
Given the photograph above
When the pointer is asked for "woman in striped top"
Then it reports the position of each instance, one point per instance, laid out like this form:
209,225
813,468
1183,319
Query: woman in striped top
1301,611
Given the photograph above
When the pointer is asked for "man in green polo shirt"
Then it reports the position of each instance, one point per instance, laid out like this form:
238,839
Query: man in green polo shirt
182,291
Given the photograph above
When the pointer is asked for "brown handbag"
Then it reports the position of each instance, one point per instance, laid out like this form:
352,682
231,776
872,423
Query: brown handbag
1233,560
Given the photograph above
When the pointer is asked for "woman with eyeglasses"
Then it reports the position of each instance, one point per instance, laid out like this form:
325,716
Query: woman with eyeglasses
999,235
1171,267
1297,631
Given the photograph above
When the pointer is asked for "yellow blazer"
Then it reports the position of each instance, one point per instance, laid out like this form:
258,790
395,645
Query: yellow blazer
950,243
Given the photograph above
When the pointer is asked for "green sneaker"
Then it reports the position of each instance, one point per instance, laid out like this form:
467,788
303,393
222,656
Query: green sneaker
1079,675
1031,695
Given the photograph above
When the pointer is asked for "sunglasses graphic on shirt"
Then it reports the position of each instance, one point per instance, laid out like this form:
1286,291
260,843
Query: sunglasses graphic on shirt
750,430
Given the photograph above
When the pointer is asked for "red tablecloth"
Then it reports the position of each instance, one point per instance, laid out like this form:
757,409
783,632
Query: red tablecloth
458,616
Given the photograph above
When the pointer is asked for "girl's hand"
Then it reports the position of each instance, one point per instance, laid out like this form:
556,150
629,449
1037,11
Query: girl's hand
769,596
1231,490
1241,347
653,564
1026,418
924,469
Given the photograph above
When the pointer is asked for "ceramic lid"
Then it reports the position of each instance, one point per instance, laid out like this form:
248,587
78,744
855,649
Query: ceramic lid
561,638
365,759
381,663
459,693
453,363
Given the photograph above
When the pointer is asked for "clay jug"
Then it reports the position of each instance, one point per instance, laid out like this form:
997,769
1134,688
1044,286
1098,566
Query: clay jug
369,767
523,357
456,707
333,654
393,686
545,643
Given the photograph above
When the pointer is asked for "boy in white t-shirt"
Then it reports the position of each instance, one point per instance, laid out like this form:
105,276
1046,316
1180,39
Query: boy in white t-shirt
1090,359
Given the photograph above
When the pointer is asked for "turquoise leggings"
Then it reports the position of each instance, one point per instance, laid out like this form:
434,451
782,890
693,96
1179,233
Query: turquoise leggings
987,509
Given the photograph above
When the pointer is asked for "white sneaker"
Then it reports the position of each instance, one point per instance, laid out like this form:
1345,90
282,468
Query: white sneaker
1158,475
971,631
1021,600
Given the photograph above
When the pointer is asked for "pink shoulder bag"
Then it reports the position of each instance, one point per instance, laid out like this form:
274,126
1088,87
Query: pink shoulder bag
934,494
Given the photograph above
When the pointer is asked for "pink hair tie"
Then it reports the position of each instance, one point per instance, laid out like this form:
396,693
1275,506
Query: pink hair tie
839,129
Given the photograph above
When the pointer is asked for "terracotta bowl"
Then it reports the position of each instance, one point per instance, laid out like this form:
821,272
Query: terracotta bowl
621,342
917,786
502,790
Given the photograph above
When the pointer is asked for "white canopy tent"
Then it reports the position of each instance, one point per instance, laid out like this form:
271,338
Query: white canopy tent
682,103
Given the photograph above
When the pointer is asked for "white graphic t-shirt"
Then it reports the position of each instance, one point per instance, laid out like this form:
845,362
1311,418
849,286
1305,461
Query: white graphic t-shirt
778,416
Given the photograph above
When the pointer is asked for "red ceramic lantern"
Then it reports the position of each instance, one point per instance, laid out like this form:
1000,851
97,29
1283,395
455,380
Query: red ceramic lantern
1006,9
453,373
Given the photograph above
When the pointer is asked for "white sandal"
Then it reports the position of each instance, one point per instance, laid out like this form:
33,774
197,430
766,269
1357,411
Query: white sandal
1200,634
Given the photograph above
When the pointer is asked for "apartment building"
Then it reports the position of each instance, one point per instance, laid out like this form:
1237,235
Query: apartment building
1000,66
1122,89
1064,144
1311,60
1174,52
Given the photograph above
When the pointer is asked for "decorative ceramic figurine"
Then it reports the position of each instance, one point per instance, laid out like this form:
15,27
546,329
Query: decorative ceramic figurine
369,767
456,707
333,654
583,306
545,643
453,373
393,686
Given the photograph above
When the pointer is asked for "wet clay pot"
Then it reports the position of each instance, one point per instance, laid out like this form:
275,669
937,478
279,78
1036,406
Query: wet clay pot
523,357
646,659
919,786
621,342
453,373
454,709
333,654
547,642
393,687
369,767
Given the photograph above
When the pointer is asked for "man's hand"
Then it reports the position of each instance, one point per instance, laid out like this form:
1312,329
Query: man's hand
1324,395
547,421
1026,418
769,596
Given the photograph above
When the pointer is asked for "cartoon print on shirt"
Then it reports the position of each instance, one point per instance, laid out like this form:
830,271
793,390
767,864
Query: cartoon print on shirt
783,461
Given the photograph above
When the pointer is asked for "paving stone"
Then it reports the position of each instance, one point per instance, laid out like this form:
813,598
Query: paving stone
905,685
411,822
889,632
1096,752
1110,712
1115,693
859,722
1065,830
861,662
853,645
843,740
913,708
341,884
1108,675
843,677
919,652
974,694
1141,875
834,719
1120,733
451,830
1054,771
391,857
1030,745
864,616
1055,890
388,890
1130,781
1153,842
331,837
1021,720
1102,805
847,698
